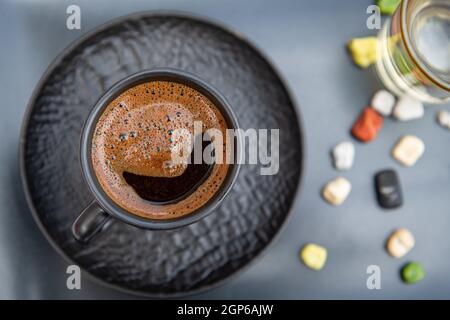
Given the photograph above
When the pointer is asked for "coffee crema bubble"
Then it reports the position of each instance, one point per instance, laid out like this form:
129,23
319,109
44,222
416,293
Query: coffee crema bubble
132,148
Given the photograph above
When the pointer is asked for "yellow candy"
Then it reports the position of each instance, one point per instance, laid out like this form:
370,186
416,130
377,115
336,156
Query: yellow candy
363,51
314,256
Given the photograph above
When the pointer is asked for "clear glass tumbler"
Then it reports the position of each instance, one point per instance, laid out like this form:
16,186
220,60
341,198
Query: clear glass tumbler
414,50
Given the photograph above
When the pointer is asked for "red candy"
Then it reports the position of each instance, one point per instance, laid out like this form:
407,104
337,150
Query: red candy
367,125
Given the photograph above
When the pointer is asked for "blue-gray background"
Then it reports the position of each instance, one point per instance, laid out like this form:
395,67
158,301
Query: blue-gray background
306,41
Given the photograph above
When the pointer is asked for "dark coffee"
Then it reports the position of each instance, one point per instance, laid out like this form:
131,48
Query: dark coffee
133,143
168,189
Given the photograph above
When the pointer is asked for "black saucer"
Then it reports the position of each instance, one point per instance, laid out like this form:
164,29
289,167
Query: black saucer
159,263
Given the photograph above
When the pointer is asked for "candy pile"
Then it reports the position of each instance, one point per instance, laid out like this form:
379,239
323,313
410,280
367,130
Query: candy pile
407,151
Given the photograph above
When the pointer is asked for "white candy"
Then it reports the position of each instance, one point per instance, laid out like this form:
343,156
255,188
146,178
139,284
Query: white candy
408,108
444,119
400,242
336,191
383,101
408,150
343,155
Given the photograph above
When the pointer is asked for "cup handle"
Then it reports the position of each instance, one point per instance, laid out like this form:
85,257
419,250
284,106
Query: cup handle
91,221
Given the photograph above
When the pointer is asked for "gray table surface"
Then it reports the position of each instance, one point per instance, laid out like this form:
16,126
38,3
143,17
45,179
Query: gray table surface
306,40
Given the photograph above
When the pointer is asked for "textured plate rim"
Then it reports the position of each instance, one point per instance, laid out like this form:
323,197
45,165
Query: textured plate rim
77,42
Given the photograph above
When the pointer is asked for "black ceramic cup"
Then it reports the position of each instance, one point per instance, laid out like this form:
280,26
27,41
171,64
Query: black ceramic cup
103,210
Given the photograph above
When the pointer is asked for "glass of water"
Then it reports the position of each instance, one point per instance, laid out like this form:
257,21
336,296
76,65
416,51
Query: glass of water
414,50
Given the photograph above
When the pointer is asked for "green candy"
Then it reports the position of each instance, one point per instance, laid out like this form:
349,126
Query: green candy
412,272
388,6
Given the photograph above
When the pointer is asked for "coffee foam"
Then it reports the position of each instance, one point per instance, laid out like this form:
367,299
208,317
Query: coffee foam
135,134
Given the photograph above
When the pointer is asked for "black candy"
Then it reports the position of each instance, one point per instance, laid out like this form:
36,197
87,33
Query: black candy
388,189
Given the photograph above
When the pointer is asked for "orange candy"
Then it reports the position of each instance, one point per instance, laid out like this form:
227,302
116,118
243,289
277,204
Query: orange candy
367,125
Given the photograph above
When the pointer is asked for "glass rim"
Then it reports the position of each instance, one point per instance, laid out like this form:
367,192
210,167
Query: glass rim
406,37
